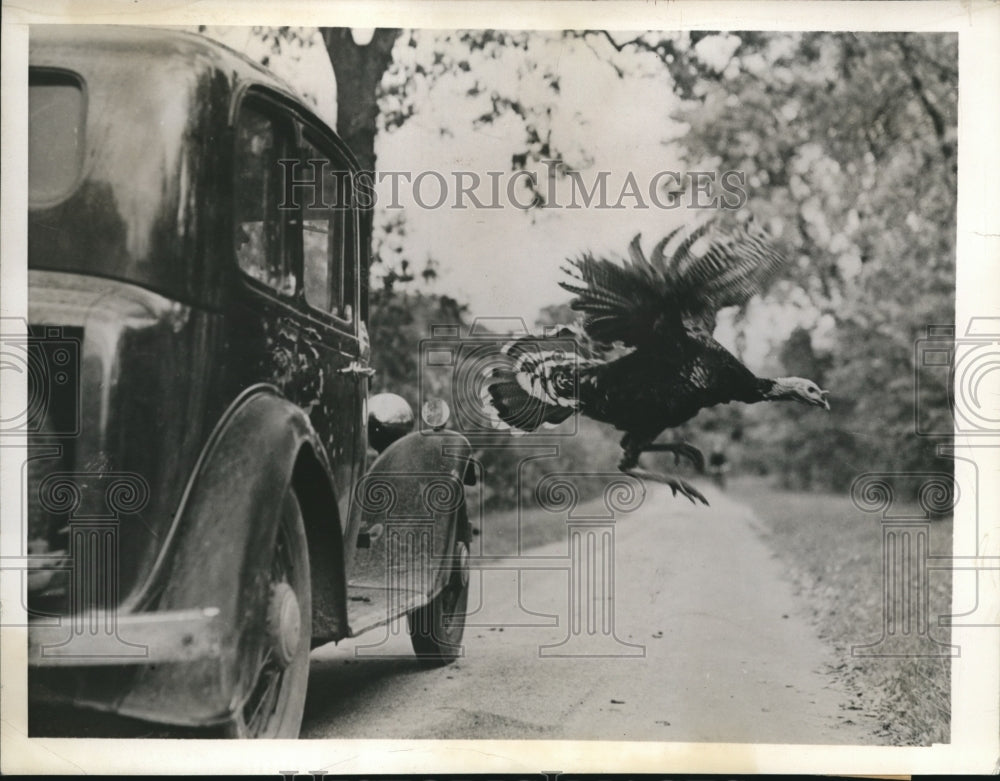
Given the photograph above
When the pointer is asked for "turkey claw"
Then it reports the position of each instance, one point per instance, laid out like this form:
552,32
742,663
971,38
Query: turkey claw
685,489
676,484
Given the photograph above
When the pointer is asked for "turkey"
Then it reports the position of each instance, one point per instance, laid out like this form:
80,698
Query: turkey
663,310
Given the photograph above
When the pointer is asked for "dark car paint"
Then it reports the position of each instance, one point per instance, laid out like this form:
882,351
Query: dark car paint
214,389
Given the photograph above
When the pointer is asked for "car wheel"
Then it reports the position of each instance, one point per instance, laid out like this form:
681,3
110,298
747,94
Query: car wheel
275,688
436,629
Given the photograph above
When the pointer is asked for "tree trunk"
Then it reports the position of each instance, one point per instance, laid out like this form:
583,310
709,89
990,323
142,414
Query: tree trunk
359,71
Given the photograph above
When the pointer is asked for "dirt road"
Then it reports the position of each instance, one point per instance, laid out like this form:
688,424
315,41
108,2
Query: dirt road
709,645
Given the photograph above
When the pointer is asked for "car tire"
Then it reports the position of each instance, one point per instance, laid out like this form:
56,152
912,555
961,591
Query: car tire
436,629
274,690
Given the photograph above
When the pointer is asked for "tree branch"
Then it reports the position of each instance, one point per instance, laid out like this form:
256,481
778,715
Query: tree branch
935,115
659,50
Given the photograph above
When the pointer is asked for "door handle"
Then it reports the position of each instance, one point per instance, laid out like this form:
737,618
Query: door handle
358,369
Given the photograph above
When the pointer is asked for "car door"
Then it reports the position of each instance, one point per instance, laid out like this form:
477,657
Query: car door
329,316
297,326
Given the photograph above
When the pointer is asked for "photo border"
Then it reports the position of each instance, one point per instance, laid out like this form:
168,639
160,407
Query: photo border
975,730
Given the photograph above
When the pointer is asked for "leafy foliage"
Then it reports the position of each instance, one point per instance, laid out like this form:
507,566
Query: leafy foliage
848,145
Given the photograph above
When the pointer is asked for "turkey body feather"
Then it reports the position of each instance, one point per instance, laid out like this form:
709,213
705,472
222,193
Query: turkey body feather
640,393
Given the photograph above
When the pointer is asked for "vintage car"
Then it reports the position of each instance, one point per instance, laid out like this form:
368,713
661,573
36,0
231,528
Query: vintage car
200,514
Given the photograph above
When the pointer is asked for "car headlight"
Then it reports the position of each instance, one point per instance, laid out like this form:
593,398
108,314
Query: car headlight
435,413
389,417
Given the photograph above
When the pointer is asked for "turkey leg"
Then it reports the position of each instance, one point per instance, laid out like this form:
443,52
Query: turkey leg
690,452
634,446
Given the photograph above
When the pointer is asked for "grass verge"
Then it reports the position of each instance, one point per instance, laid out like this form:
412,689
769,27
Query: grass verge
833,553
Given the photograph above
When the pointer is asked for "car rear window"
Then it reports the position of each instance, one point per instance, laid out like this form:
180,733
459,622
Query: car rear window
324,236
262,249
56,114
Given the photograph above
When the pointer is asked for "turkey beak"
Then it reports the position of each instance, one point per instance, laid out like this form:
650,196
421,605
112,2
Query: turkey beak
826,403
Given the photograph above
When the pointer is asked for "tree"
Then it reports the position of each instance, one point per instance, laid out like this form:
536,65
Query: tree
359,70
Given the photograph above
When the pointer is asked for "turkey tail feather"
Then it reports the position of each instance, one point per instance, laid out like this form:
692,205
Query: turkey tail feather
662,301
518,409
538,386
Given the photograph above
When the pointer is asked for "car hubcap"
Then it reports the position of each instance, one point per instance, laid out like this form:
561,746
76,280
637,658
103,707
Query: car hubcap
462,554
284,624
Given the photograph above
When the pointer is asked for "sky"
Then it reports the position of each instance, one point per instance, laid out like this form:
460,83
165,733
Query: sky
506,262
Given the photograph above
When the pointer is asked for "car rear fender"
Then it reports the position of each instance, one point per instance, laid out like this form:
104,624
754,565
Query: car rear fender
222,554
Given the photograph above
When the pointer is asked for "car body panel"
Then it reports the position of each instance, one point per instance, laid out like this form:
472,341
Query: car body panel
205,390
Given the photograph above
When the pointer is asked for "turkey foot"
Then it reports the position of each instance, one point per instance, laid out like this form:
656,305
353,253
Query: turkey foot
690,452
676,484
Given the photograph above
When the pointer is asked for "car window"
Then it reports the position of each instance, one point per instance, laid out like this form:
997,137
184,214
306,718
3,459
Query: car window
326,237
260,240
55,134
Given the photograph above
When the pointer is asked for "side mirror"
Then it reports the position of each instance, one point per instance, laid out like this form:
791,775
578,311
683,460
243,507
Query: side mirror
389,417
